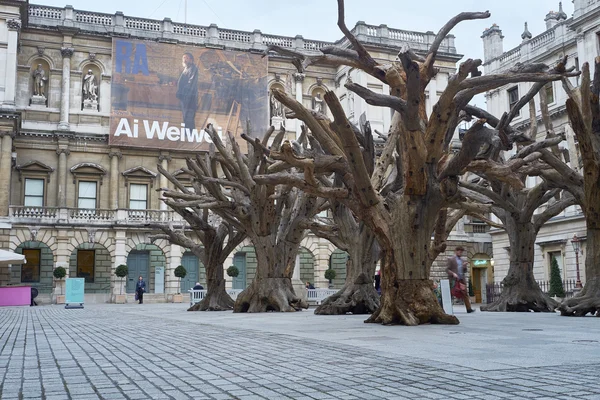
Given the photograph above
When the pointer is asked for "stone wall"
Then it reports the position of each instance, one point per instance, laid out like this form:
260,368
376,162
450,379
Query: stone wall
338,264
307,266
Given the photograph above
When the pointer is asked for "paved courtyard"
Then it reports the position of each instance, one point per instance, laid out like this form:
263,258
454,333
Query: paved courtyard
160,351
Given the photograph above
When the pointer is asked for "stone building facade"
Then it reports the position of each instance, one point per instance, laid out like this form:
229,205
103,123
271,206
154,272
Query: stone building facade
576,37
69,199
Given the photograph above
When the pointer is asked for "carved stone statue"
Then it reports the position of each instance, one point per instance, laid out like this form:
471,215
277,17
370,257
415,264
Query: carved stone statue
276,108
39,81
90,88
318,103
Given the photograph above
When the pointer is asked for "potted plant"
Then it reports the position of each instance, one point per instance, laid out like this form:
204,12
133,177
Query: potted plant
59,273
330,275
233,271
121,271
180,273
557,291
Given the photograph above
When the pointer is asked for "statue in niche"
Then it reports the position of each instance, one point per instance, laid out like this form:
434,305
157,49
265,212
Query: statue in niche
277,113
90,88
39,81
90,91
318,103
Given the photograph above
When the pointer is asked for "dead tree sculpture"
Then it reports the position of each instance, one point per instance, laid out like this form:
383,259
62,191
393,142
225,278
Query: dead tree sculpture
584,113
424,182
269,215
346,232
216,239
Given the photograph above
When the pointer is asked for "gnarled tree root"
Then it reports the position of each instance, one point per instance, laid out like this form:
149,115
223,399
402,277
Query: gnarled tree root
217,300
587,302
269,294
358,297
522,298
410,302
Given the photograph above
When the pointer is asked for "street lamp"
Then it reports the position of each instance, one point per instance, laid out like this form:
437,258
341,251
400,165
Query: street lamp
576,242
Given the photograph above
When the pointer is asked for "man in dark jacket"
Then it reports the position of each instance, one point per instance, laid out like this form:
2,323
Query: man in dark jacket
140,288
456,273
187,91
198,286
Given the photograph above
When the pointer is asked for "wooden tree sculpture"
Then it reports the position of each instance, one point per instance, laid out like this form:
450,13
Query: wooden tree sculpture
216,239
269,215
425,180
584,113
346,232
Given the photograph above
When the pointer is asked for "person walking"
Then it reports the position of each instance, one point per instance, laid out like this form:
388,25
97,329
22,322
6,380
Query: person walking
140,288
456,273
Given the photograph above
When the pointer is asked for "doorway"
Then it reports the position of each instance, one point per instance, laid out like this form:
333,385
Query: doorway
191,263
138,263
239,260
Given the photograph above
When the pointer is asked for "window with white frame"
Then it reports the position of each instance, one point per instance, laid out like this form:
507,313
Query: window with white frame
138,196
34,193
87,194
513,96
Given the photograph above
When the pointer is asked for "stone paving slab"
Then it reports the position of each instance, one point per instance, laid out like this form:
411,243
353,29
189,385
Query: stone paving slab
162,352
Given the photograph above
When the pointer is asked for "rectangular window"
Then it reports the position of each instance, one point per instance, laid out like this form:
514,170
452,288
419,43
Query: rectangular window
549,93
87,195
85,264
513,96
138,196
34,193
30,272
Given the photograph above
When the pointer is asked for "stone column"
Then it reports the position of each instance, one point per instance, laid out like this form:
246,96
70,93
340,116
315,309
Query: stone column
114,155
299,78
63,257
117,285
62,151
171,281
6,168
10,67
164,159
66,52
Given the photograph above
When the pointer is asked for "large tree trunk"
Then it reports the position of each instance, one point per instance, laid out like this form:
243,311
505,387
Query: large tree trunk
216,298
407,293
358,295
521,292
271,289
588,300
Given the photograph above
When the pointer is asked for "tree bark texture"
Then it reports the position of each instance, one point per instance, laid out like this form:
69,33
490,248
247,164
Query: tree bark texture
521,291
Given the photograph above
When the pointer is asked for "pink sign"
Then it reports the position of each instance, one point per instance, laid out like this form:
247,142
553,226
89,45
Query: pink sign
15,296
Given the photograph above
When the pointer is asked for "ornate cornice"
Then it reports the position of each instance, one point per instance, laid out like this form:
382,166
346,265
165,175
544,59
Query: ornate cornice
115,153
61,151
163,157
298,77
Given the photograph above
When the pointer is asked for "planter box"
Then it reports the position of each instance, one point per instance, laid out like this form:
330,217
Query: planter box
121,299
60,299
177,298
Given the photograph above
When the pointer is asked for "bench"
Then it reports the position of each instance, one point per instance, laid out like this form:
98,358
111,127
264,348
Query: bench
317,296
196,296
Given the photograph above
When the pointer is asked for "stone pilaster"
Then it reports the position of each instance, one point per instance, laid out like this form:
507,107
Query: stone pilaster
66,52
299,78
61,193
115,156
117,285
10,66
63,256
322,264
5,170
171,281
164,160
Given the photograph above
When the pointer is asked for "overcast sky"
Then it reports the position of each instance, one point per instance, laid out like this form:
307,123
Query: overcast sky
316,19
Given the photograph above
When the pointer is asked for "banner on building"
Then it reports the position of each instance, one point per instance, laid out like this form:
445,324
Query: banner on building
164,95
